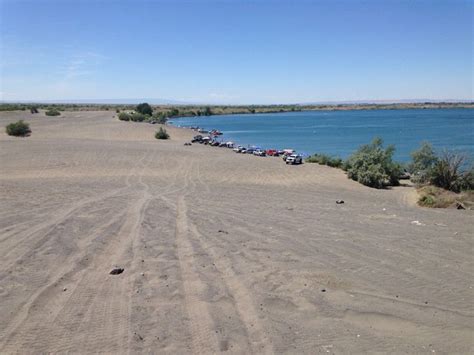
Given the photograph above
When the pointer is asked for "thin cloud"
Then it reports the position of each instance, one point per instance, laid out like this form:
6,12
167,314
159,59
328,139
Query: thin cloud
82,64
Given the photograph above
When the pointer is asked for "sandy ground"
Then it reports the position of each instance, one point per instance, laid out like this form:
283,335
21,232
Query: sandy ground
222,252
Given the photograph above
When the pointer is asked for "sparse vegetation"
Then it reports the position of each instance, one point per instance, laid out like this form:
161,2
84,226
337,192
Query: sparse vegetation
18,129
436,197
447,173
160,117
372,165
34,109
52,112
324,159
162,134
444,171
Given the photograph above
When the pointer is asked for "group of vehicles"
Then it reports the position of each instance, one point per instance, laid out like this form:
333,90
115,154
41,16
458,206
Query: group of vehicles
289,155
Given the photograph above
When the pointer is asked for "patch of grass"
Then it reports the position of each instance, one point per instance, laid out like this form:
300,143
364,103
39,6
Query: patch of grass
52,112
162,134
18,129
436,197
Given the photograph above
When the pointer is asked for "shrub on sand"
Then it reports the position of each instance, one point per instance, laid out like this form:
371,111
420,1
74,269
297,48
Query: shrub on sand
18,129
52,112
162,134
124,116
372,165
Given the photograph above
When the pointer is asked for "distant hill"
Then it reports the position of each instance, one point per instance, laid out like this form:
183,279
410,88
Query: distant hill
103,101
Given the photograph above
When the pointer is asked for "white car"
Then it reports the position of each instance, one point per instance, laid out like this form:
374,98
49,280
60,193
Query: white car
294,159
238,149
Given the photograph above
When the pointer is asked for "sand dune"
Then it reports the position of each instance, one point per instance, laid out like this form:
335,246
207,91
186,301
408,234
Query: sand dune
222,252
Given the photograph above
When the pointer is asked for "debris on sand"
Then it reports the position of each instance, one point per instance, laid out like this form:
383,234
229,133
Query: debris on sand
116,271
460,206
417,223
222,231
340,202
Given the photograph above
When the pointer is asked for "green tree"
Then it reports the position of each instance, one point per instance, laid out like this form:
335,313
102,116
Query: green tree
144,108
372,165
207,111
423,161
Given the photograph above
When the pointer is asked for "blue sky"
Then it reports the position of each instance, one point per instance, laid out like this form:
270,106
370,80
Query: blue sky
236,51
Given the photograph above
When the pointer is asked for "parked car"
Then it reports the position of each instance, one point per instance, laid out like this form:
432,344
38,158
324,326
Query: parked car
287,152
238,149
294,159
197,138
272,152
259,153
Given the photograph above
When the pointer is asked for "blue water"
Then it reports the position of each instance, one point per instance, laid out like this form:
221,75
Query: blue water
339,133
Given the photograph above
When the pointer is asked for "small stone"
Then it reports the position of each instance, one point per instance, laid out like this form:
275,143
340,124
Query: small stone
64,289
323,290
116,271
340,202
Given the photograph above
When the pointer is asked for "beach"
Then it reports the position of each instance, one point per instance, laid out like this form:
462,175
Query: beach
221,252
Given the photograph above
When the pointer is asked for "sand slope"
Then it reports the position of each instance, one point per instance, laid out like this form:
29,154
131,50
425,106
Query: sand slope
222,252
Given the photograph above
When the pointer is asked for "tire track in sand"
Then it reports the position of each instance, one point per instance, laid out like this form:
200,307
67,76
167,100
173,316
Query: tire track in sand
204,340
201,323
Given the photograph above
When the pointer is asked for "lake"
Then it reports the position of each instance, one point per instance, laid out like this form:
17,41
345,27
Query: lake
339,133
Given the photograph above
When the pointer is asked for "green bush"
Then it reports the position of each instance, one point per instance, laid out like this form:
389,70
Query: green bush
162,134
52,112
34,109
427,201
324,159
124,116
466,180
18,129
144,108
423,162
372,165
447,173
139,117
